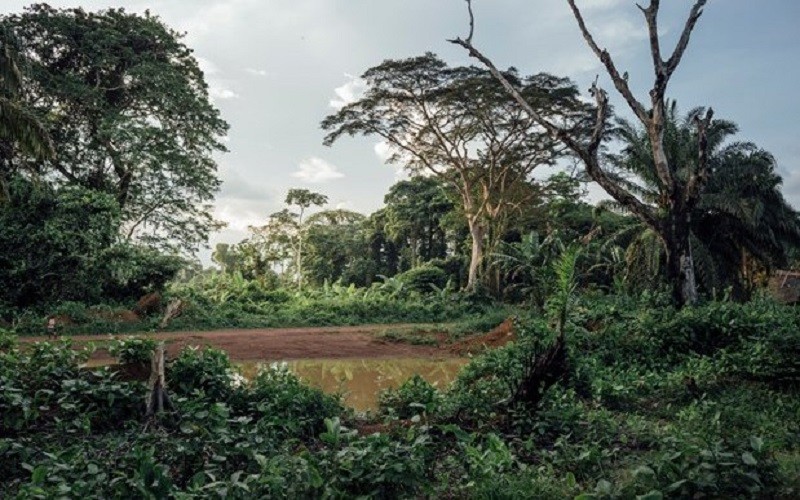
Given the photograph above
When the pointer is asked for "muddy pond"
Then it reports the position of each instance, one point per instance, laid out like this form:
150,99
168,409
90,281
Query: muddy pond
359,381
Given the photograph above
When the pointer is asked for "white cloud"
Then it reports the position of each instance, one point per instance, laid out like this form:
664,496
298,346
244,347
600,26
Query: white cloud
383,150
218,16
239,215
216,89
257,72
217,92
344,205
621,31
316,170
349,92
206,66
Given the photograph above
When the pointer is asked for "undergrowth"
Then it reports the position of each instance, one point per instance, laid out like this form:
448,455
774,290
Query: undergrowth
657,403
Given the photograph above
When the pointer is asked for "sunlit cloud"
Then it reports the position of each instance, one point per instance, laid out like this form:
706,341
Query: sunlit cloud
256,72
316,170
221,93
348,93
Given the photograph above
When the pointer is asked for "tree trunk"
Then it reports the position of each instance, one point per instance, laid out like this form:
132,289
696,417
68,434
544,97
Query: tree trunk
680,264
157,399
477,231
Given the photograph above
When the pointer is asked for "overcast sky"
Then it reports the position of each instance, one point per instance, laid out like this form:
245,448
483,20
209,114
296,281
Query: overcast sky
277,67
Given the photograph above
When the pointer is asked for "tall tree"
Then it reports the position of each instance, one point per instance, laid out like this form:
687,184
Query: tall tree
275,241
128,110
303,199
741,217
52,243
670,219
458,124
19,127
415,209
338,248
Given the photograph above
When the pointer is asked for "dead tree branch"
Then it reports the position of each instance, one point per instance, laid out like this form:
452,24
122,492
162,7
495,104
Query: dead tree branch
699,177
683,42
589,152
619,81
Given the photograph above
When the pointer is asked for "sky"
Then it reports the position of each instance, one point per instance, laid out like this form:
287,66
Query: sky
276,68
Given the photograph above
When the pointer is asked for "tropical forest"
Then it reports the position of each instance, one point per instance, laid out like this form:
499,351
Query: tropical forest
543,249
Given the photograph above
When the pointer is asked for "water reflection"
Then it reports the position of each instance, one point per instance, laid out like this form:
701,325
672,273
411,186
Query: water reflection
360,380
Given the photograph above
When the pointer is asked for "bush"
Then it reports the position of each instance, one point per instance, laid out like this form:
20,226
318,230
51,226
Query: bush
136,350
414,397
490,379
131,271
284,404
44,389
454,267
424,279
645,412
8,341
205,371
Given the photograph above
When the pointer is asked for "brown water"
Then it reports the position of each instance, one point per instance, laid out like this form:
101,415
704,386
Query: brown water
361,380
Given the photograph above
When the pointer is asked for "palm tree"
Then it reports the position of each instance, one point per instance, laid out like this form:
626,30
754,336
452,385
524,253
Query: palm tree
18,125
741,219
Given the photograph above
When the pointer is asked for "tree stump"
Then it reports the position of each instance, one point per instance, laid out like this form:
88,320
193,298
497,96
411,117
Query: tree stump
174,309
157,399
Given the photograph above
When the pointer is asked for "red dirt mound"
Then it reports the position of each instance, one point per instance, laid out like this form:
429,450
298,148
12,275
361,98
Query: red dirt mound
500,336
148,304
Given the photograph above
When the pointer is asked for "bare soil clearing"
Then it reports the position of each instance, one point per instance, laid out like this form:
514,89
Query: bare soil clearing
273,344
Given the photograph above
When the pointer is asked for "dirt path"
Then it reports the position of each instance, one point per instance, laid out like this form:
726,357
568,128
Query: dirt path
271,344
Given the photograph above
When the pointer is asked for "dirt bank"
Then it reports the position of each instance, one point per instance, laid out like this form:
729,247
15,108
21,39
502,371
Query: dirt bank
283,343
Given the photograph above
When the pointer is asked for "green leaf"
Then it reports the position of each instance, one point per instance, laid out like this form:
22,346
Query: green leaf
652,495
644,470
756,443
749,459
570,480
676,485
603,487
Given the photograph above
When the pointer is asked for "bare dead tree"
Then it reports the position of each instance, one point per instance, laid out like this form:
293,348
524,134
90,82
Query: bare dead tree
670,219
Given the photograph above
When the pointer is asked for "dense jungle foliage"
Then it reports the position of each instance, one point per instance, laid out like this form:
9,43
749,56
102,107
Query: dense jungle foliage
651,357
657,403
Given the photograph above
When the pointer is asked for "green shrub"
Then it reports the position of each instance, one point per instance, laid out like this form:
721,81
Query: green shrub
138,350
423,279
376,466
485,384
687,470
8,341
415,396
44,389
284,404
658,403
77,312
207,371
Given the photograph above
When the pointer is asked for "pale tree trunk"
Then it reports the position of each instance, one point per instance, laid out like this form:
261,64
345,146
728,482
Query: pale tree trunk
157,398
680,263
299,258
477,231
